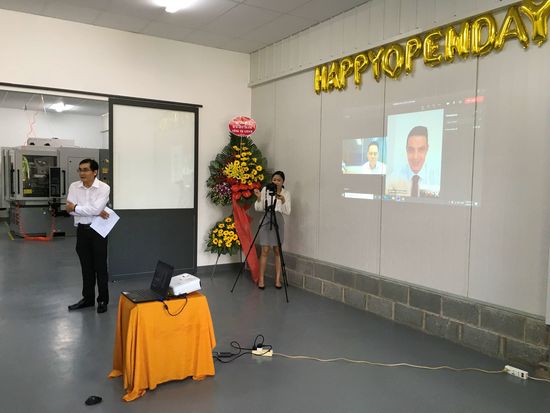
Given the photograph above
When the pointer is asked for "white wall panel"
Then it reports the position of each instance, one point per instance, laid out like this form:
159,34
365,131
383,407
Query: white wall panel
376,24
390,18
349,41
511,225
296,152
294,53
445,11
407,16
336,37
322,42
262,70
277,57
349,229
427,242
363,26
425,14
285,55
268,66
306,52
263,103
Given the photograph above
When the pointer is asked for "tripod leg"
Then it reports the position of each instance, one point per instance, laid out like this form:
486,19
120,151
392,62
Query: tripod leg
283,267
248,252
214,269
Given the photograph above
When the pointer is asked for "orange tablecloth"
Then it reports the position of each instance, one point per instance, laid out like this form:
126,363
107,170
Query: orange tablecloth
152,347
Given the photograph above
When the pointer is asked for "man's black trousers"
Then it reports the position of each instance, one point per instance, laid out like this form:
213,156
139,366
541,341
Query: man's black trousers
92,252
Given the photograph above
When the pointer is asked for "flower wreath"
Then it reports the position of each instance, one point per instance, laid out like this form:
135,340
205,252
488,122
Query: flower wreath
223,238
237,170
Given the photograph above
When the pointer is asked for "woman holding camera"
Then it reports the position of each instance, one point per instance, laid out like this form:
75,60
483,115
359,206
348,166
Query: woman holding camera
273,193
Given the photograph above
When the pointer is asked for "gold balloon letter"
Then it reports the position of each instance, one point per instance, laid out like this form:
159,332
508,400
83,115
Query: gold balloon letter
346,68
332,78
318,79
538,14
413,49
479,48
360,64
396,54
432,57
512,17
375,58
457,43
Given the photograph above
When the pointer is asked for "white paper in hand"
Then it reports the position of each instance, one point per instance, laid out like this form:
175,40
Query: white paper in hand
104,226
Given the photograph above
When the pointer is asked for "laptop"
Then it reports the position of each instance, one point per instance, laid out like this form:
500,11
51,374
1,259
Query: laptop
159,286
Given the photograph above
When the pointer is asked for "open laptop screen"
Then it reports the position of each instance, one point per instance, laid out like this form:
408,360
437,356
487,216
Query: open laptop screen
161,279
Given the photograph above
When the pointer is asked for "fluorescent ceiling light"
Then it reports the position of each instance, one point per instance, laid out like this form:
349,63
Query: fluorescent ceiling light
173,6
61,107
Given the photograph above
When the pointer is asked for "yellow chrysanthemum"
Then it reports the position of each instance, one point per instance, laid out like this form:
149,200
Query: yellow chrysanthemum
221,225
234,170
228,219
255,160
236,148
259,168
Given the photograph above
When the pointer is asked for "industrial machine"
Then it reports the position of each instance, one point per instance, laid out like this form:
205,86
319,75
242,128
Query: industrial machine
34,180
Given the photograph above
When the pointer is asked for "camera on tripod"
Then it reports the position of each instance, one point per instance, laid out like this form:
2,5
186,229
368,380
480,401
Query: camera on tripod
271,188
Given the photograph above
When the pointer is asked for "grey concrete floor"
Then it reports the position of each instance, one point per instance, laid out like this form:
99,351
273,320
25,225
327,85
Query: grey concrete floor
52,360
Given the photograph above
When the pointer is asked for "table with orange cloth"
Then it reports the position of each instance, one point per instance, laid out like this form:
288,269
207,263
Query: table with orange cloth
153,347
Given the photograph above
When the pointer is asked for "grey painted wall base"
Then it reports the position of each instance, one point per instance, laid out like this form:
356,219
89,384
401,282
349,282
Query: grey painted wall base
495,331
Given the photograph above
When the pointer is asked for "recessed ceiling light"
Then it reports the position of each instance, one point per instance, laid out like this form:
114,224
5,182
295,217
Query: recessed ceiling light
61,107
173,6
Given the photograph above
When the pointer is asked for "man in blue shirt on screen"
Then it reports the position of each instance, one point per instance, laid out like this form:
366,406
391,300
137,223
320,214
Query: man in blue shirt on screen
415,179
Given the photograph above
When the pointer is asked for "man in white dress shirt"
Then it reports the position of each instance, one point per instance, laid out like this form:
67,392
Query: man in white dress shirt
87,199
373,167
417,178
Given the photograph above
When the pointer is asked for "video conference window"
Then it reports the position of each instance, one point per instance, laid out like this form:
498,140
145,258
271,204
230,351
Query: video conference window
408,159
364,156
414,154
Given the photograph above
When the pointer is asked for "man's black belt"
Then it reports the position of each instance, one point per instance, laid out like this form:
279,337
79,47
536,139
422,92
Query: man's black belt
84,225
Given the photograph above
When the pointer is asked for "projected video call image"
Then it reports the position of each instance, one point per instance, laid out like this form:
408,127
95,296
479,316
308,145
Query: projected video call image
364,156
414,154
408,158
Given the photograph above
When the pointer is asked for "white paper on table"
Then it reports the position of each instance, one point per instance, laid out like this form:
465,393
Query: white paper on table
104,226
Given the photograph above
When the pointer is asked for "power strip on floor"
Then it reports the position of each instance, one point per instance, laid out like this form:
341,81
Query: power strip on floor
262,352
514,371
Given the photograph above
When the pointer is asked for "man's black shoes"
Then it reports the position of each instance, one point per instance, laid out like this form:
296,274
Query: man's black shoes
101,307
81,304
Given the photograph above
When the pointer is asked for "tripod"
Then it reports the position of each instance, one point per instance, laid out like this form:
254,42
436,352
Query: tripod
268,210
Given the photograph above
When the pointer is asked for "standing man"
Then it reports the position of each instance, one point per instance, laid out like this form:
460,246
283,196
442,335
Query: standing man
415,179
373,167
87,199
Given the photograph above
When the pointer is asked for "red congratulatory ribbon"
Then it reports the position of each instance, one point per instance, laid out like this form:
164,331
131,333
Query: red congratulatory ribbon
242,225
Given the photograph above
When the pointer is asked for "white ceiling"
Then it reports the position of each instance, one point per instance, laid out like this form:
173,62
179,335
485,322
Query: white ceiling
237,25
